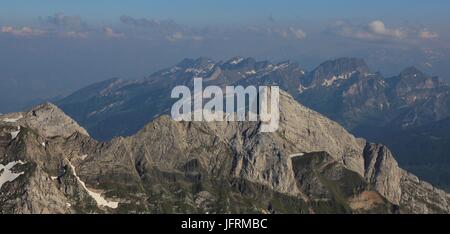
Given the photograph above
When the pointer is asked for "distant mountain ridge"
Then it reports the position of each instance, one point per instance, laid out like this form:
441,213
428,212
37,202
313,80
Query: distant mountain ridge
345,90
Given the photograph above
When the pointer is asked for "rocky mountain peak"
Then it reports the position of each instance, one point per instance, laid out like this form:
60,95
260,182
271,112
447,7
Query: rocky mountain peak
48,120
412,72
342,65
411,80
338,69
195,63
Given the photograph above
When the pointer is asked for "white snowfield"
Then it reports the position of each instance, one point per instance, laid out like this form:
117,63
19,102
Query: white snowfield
6,175
96,196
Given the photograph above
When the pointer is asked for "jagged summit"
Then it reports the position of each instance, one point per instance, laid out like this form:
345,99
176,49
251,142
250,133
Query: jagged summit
412,72
338,67
48,119
344,64
411,81
51,121
195,63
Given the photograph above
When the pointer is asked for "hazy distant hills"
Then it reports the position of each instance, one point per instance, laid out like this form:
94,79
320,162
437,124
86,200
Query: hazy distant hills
396,111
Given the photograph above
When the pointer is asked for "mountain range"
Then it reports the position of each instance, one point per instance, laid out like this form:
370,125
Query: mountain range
409,112
50,164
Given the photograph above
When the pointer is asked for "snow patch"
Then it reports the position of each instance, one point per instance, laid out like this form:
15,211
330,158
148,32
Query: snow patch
280,66
15,133
12,120
237,61
383,83
83,157
96,196
201,71
296,155
171,71
302,89
251,72
6,175
330,81
105,108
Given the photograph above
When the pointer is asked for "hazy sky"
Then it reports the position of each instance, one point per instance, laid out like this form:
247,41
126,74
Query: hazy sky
203,11
53,47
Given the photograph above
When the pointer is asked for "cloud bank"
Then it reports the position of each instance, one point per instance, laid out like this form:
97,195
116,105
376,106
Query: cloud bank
374,30
23,31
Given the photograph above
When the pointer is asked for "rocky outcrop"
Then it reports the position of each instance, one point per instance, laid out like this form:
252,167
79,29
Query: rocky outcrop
421,197
382,171
330,182
399,186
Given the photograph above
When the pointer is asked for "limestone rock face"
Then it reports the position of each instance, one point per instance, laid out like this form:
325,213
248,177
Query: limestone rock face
309,165
331,182
382,170
421,197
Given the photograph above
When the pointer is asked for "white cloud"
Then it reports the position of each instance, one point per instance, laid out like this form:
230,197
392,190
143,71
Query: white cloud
175,36
374,30
22,32
377,27
297,33
109,32
426,34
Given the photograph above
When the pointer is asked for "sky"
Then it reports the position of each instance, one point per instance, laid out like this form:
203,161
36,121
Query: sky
201,11
50,48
